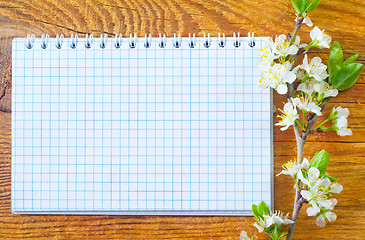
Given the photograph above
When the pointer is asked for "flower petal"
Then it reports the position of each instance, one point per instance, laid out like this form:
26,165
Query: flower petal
307,21
302,178
344,131
341,122
305,163
313,174
320,221
315,33
325,182
312,211
336,188
331,93
278,220
290,77
334,202
268,220
282,89
306,194
243,236
331,216
282,172
261,229
288,221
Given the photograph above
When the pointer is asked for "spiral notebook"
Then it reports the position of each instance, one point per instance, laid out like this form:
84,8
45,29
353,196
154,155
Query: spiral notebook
139,125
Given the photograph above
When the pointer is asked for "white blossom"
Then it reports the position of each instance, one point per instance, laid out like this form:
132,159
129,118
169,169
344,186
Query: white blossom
307,104
266,222
319,38
289,116
267,56
269,220
316,193
315,69
307,87
326,89
312,180
307,20
282,47
318,198
313,211
336,188
341,112
277,77
293,167
301,74
340,121
323,89
278,49
243,236
331,216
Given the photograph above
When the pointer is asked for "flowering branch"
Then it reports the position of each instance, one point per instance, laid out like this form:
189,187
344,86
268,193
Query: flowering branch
308,87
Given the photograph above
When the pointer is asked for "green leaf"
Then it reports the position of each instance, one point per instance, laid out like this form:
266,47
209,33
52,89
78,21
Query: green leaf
347,76
282,234
255,212
332,115
295,5
351,59
312,6
335,60
342,74
275,232
320,161
263,208
332,179
303,5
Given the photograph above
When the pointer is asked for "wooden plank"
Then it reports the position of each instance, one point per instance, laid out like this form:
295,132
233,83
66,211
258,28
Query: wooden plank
342,19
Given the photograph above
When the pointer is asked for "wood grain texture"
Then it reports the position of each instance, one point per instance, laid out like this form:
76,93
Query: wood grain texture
342,19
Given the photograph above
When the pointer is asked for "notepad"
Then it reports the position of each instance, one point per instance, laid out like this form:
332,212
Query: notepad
139,126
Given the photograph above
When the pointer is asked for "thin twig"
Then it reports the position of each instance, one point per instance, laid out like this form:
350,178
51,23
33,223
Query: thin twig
297,200
301,139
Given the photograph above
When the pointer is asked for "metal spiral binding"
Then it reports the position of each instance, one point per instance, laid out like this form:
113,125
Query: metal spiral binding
221,41
73,43
192,42
59,41
133,41
206,41
88,40
237,41
177,41
147,41
251,42
118,41
30,41
103,40
162,43
45,41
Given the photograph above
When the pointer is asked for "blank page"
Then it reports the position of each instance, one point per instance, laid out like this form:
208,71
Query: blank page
140,130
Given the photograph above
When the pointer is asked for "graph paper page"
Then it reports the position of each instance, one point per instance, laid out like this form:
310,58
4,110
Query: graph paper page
139,130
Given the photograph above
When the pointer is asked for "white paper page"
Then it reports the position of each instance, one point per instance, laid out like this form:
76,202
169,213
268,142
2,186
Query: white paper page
140,131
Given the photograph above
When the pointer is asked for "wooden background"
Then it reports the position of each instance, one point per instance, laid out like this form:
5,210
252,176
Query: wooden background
342,19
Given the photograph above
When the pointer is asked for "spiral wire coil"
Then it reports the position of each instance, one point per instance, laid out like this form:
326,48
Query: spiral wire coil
118,40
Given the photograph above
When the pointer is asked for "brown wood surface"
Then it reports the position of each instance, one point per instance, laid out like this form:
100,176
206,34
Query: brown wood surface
342,19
